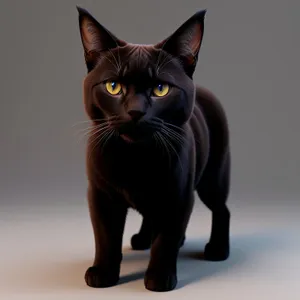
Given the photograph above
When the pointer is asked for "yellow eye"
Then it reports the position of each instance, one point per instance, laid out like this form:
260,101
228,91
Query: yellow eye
113,87
161,90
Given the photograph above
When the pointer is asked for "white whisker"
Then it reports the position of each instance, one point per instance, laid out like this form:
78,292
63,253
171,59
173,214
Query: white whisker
174,150
97,141
95,129
173,136
164,146
95,120
106,138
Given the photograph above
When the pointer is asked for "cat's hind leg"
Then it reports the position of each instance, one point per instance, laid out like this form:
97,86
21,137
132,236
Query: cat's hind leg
142,239
213,190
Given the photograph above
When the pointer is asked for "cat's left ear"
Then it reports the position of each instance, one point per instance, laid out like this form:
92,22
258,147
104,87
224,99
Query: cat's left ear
95,38
186,41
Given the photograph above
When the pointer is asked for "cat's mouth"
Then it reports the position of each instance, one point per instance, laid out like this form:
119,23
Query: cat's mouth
136,136
127,138
132,133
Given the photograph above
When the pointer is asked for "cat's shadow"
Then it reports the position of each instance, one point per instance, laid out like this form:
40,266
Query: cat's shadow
191,265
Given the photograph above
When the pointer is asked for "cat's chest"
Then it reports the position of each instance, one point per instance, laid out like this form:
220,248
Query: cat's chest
144,183
140,170
137,169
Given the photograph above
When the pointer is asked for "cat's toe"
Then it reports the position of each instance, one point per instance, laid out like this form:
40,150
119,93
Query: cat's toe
96,278
140,242
160,282
216,252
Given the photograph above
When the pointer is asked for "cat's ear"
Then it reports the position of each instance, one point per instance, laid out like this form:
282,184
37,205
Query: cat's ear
95,38
186,41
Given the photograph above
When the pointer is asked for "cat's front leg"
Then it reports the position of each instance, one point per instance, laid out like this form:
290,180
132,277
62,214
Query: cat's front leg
161,275
108,216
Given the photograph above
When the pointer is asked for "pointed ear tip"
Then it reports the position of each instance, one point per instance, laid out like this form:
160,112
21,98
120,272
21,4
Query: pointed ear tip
201,13
81,10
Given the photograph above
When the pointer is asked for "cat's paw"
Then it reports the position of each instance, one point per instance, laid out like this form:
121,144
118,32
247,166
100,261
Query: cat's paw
140,242
160,281
95,277
216,252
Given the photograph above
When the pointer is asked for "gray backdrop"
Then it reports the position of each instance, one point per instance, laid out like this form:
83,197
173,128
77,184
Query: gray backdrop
249,59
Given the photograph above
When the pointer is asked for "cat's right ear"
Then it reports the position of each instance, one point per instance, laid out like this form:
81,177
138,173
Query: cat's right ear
186,41
95,38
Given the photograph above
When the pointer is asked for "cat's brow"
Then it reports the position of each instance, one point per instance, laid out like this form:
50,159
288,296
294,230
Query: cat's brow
138,63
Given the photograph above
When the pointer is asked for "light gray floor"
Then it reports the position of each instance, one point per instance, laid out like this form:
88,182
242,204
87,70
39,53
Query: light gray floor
45,251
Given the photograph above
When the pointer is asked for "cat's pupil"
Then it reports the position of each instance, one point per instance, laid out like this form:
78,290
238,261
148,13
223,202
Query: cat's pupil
113,85
160,87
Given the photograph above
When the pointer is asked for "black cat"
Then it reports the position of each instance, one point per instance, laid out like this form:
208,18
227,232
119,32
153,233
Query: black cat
156,138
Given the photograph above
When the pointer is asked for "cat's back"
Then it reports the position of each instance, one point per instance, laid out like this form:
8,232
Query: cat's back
212,110
210,127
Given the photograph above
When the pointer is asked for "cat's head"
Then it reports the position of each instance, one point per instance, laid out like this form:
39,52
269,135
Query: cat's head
138,90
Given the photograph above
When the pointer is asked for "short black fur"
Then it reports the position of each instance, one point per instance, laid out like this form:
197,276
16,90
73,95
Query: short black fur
151,152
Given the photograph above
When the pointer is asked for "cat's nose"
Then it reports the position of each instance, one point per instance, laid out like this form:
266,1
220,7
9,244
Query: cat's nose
136,115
